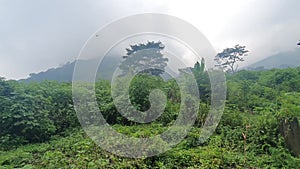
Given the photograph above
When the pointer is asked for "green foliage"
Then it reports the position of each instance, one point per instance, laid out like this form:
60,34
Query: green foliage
140,88
247,136
202,80
290,106
25,117
34,112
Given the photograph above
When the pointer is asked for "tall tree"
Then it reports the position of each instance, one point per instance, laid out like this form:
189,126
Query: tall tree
228,58
202,79
144,58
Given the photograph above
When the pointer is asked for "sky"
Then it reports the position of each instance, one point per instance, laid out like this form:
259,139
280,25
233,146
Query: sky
36,35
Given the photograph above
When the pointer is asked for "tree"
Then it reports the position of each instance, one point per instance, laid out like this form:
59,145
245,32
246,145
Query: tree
229,57
144,58
202,79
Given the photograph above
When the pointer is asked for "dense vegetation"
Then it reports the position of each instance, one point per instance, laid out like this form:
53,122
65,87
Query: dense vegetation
39,127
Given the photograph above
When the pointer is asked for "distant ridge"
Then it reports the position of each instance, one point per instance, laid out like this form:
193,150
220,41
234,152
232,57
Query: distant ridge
64,73
281,60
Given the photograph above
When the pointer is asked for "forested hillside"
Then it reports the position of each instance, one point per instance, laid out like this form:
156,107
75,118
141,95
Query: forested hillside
39,127
64,73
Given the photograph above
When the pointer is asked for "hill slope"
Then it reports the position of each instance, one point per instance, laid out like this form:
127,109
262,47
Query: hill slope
65,72
280,60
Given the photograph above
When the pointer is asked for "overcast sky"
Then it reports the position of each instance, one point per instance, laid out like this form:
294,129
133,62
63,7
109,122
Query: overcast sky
39,34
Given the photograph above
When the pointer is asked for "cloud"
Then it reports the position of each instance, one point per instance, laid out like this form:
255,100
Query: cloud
37,35
265,27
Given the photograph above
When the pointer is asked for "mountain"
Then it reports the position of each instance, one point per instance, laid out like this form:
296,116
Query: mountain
280,60
65,73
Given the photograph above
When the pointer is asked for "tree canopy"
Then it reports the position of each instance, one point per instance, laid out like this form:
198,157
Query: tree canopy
144,58
228,58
